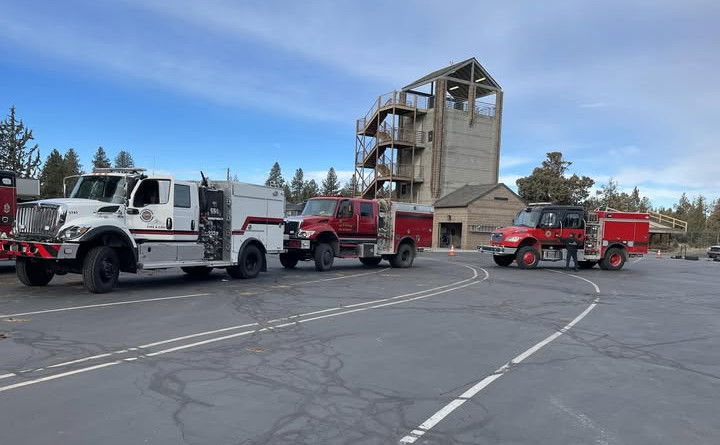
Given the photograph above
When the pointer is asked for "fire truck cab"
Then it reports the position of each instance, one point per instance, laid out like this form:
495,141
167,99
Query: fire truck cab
605,237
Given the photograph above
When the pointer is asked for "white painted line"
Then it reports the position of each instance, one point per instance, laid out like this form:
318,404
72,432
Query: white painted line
177,297
91,306
4,376
597,289
433,420
264,329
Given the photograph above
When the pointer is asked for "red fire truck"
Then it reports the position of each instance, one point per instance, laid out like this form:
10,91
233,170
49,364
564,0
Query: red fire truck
606,237
12,190
369,229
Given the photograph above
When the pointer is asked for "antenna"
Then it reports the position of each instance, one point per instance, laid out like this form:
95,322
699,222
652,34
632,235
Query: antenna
204,182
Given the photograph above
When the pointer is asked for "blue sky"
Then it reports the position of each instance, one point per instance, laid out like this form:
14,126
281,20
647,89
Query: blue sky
625,89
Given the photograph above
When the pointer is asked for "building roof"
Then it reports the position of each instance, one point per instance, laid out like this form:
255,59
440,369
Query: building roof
461,71
466,194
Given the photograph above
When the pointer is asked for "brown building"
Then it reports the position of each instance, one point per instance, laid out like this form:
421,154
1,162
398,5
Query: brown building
466,217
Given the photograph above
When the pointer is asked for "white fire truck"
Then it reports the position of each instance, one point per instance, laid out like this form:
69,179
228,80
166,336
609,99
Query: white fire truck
124,220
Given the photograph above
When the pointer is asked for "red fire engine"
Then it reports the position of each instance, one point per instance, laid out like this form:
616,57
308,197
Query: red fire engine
12,190
368,229
605,237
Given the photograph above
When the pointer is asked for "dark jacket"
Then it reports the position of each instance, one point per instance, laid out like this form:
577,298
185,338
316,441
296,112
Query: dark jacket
571,243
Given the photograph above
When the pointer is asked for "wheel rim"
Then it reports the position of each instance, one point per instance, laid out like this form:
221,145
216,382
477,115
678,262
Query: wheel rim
615,259
405,254
107,269
251,262
529,258
327,257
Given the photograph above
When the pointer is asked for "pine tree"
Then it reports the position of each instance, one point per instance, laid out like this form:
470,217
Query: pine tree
330,185
100,160
15,154
713,221
350,188
549,183
275,178
296,186
310,190
52,175
124,160
71,163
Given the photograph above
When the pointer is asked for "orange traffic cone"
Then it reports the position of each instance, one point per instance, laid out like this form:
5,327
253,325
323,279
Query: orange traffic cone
452,250
658,254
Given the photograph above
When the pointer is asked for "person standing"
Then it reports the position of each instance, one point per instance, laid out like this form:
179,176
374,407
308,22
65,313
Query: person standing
571,245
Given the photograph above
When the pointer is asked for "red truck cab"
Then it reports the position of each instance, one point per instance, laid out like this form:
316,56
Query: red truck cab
369,229
8,201
606,238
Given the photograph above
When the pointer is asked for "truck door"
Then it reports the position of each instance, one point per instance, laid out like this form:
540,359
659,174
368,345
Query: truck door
346,221
8,200
573,223
549,227
367,220
186,211
150,214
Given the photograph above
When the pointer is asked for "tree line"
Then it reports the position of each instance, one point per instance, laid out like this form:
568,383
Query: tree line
20,155
299,190
550,183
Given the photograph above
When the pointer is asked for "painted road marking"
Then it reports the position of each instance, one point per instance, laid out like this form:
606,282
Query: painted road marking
293,322
433,420
177,297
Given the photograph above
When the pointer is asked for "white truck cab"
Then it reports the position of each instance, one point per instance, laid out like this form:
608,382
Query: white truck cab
124,220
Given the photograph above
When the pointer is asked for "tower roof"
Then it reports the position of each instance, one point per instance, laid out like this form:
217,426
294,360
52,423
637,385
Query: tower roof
465,73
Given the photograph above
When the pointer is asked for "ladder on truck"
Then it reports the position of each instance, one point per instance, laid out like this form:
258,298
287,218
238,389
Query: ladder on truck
591,245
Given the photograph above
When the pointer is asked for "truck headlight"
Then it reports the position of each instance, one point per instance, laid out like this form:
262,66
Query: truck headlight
513,239
305,233
73,232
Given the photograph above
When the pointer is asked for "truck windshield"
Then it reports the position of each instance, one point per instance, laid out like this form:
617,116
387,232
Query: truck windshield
527,218
320,207
101,188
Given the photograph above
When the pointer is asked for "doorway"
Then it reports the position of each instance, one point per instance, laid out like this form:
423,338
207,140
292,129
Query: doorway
450,235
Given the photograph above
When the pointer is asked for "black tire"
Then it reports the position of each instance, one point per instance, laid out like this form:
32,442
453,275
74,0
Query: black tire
249,264
289,260
32,272
371,261
503,260
101,268
527,257
324,257
197,271
586,264
614,259
404,257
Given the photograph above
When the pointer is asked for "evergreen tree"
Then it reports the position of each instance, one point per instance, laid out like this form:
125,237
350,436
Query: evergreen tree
697,214
330,185
350,188
52,175
713,220
124,160
275,178
310,190
296,186
100,160
71,163
548,183
15,154
683,207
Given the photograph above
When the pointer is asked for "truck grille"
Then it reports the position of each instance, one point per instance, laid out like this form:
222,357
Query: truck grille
496,237
291,227
38,220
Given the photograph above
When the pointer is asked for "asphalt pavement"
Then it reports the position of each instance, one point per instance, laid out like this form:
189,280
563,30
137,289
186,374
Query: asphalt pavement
452,351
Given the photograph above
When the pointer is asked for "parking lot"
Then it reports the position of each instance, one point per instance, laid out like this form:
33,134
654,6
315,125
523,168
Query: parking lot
452,351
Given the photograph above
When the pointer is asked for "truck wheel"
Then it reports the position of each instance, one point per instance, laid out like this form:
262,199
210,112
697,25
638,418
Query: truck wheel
324,257
587,264
289,260
101,269
249,263
371,261
404,257
614,259
503,260
527,257
32,272
197,271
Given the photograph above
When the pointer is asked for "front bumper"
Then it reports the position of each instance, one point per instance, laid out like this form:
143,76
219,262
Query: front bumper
497,250
32,249
296,244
